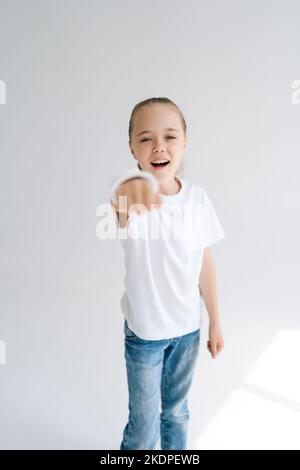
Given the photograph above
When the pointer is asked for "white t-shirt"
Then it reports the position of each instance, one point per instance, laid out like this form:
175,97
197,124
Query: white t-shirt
163,259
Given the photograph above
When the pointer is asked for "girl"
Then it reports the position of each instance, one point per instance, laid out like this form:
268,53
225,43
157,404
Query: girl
166,277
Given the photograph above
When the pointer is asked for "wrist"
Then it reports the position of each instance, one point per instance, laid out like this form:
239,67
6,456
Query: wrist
214,320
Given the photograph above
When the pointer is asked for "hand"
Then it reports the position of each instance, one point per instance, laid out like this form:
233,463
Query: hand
139,194
215,343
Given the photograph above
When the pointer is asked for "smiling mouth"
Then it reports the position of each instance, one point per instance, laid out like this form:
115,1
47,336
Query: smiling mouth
160,164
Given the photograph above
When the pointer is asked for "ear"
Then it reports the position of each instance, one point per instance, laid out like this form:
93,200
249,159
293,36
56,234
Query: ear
131,150
185,143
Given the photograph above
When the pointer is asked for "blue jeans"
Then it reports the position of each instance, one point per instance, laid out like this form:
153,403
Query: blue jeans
159,373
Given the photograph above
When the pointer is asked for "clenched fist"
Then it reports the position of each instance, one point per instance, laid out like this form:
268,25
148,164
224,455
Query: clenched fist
135,195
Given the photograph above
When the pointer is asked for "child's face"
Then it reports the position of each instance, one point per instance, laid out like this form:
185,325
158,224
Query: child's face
159,143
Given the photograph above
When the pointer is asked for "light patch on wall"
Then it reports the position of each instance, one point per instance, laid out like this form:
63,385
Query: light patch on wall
264,411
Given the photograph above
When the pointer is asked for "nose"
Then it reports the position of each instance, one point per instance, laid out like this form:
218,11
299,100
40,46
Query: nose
159,150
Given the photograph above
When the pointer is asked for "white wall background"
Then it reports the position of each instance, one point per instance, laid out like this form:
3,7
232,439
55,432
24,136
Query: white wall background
73,71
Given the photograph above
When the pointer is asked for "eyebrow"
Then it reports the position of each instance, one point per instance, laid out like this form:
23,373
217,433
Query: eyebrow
168,129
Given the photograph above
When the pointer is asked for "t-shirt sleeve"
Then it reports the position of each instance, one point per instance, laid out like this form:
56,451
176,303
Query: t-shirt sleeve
212,228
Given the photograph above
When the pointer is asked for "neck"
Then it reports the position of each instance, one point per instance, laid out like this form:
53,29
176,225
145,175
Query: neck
170,187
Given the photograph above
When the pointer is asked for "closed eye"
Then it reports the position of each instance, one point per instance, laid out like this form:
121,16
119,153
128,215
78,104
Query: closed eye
168,137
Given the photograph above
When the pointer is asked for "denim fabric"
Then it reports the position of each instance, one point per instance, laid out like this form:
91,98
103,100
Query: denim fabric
159,375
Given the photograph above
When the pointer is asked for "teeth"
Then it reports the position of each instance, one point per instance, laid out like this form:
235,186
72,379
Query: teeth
160,161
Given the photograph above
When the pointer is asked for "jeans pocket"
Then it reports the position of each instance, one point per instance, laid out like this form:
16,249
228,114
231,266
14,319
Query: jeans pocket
132,337
128,332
